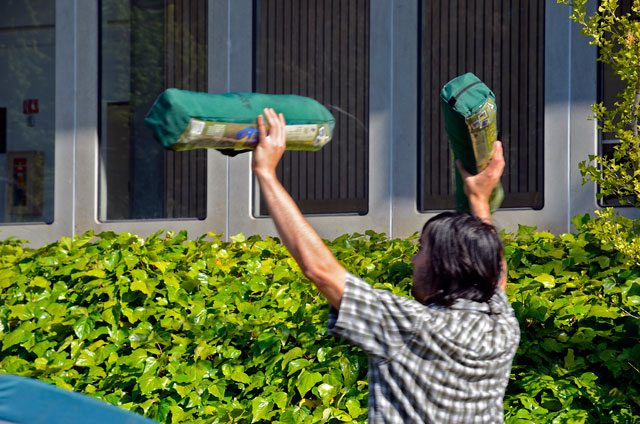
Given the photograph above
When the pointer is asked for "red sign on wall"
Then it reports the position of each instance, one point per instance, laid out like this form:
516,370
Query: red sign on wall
30,106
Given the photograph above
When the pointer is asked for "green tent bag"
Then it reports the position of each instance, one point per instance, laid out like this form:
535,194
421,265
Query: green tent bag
470,115
184,120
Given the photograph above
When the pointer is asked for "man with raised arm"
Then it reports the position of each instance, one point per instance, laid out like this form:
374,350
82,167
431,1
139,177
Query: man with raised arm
444,357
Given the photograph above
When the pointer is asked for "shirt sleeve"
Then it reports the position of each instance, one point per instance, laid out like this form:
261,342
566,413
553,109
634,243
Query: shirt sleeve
377,321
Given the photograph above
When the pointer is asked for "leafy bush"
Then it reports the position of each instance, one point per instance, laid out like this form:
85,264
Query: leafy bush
578,303
213,331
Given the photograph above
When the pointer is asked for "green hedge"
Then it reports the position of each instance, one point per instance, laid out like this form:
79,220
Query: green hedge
212,331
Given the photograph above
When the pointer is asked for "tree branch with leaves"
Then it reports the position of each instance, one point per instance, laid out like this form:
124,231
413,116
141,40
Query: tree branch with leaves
617,37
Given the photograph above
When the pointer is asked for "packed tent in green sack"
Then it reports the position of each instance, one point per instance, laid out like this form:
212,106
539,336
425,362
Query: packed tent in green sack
470,118
28,401
185,120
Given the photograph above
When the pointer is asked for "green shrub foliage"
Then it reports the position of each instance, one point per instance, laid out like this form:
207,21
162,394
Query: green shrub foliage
209,331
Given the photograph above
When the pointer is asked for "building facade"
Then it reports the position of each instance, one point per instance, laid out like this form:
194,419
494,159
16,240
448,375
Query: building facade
80,76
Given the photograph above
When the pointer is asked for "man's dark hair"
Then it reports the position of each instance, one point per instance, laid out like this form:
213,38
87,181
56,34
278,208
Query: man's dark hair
465,257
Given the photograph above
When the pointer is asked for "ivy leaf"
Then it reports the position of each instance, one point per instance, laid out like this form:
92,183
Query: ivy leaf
603,261
326,392
40,282
149,383
161,265
569,359
265,340
83,239
83,327
138,338
260,407
20,335
239,375
602,311
349,371
142,286
322,354
353,406
41,364
280,272
547,280
280,399
306,380
297,365
22,312
340,415
66,242
217,389
112,260
632,301
296,352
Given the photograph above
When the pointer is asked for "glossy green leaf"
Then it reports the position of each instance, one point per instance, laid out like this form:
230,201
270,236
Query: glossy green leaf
349,371
306,380
297,365
353,406
260,407
280,399
83,327
294,353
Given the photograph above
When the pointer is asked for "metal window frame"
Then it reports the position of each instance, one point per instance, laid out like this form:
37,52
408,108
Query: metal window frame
87,170
338,186
522,180
553,215
38,233
239,73
570,89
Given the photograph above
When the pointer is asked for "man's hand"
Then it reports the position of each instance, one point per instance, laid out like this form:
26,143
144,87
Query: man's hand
270,147
478,187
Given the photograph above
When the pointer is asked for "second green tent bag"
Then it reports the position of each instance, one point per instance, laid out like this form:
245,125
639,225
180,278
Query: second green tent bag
470,118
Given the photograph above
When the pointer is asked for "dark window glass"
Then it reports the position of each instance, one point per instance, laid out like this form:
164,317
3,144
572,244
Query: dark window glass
27,110
147,46
320,49
502,42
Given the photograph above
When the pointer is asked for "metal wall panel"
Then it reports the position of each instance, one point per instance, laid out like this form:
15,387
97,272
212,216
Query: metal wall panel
320,49
502,42
185,181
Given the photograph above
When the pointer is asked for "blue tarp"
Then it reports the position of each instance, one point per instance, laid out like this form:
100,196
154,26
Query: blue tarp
27,401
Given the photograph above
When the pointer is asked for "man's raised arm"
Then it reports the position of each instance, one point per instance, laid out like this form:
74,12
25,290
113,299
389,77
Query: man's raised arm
316,260
478,187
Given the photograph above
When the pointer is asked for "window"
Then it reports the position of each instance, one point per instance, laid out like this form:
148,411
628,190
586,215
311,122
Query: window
147,46
503,44
27,110
320,49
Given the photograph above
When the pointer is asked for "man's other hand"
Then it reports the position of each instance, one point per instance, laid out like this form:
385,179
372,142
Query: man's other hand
480,185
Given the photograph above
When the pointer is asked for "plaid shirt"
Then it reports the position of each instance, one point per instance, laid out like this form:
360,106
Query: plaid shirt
430,364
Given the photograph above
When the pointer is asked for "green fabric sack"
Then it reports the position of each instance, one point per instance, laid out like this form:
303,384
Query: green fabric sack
184,120
470,118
